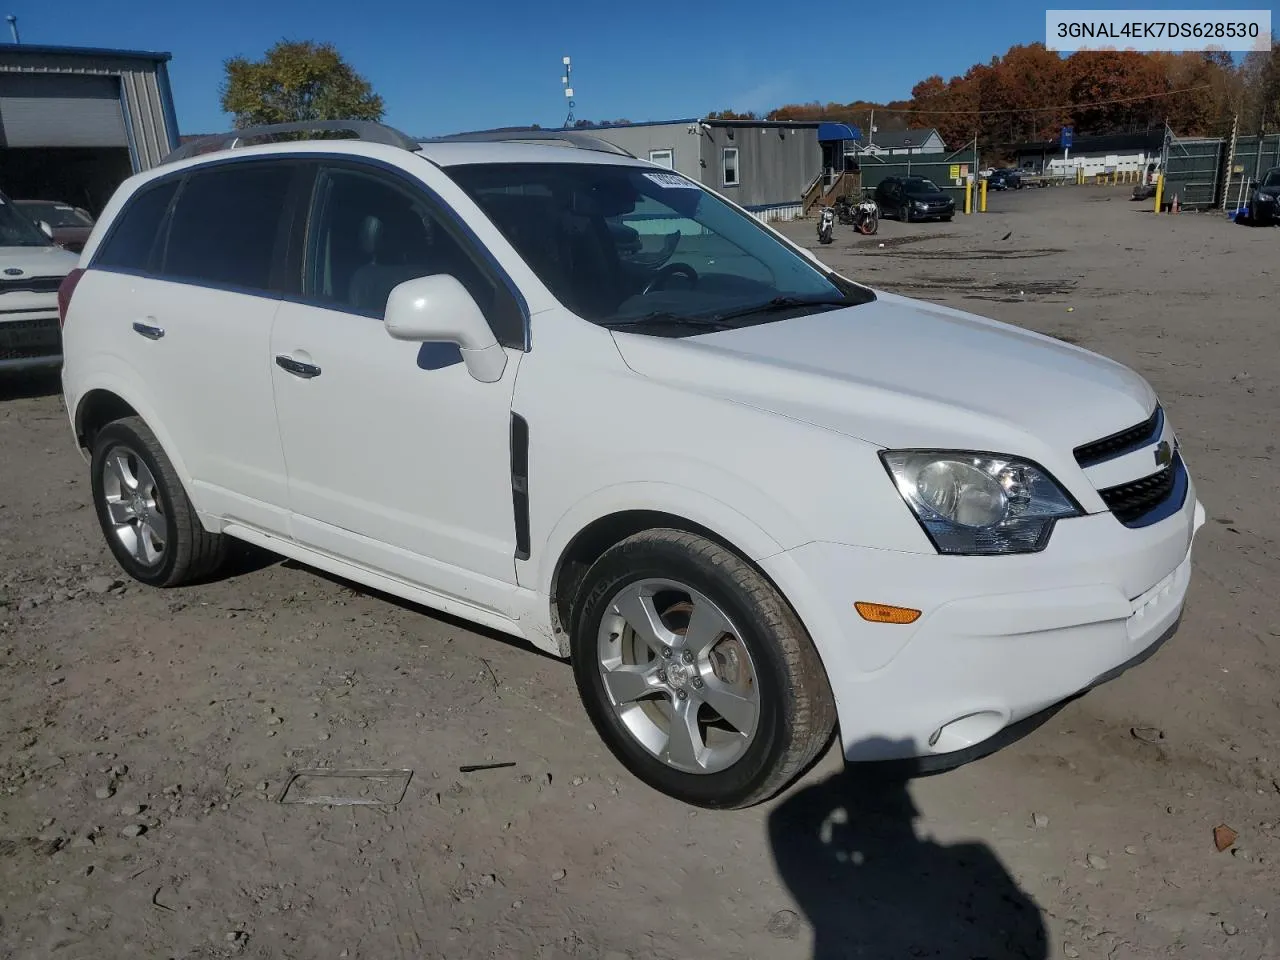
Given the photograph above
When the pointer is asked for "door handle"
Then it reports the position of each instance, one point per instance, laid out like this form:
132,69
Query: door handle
148,330
297,367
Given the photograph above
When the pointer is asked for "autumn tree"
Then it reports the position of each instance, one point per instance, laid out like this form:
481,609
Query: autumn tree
297,80
1260,101
732,115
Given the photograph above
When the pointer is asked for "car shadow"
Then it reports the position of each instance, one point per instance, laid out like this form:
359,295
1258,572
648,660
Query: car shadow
28,385
870,885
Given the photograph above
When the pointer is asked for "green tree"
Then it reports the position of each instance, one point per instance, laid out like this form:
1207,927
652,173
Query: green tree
297,80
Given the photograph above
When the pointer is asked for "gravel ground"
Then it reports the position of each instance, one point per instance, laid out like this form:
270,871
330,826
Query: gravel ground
147,734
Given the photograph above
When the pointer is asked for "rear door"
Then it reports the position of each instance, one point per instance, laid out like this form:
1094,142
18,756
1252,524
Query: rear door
188,306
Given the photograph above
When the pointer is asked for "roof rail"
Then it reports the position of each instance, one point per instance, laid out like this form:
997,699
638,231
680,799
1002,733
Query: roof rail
365,130
571,138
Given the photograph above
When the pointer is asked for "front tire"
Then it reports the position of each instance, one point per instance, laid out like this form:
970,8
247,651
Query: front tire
696,673
149,523
904,213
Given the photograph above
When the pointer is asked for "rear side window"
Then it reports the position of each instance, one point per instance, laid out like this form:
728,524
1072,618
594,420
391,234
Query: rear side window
134,238
226,223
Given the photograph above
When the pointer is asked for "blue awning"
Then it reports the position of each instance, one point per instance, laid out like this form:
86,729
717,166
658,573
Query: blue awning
838,131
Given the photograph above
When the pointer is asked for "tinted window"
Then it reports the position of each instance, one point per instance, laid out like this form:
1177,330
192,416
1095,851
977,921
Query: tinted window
18,230
630,245
225,225
54,214
372,233
132,241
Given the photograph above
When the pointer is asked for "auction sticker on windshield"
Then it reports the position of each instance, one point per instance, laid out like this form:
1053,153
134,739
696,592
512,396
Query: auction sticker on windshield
671,180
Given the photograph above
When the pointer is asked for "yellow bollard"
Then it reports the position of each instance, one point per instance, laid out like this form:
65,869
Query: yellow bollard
982,197
968,197
1159,191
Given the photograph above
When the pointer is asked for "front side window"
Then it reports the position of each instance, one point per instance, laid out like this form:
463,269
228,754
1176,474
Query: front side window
663,158
225,225
18,230
632,247
371,233
730,178
135,236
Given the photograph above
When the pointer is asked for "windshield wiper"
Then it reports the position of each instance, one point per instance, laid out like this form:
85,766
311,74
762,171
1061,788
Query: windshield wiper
664,318
785,303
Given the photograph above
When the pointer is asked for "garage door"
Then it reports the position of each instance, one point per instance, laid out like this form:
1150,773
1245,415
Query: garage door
58,110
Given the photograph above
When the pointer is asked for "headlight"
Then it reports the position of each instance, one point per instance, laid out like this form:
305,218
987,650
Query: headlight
979,503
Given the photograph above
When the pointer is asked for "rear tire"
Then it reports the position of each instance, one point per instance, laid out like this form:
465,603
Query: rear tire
149,523
739,659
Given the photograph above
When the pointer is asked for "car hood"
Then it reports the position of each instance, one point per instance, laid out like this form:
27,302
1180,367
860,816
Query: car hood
50,261
933,196
1271,191
897,372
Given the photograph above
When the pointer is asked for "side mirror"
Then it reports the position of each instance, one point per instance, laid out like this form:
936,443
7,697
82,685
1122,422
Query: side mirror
46,229
439,309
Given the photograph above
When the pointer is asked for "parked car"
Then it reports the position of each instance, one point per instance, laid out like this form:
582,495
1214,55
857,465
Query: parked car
1264,201
1005,179
70,225
914,198
744,495
32,267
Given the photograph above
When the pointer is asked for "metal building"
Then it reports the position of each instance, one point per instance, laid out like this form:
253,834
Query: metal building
75,122
763,165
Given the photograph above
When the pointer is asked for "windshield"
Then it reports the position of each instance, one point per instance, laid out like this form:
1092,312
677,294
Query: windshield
647,249
1272,178
920,183
17,230
54,214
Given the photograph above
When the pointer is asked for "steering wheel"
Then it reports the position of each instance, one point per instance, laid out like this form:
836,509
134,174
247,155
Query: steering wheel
660,278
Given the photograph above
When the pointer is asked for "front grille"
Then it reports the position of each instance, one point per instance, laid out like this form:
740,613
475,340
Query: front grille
29,284
1126,441
1140,503
28,339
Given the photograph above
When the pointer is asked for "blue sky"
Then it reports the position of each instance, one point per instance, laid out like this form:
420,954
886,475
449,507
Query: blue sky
457,66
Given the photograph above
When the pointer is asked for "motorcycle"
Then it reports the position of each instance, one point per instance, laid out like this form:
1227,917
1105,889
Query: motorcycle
826,221
863,216
866,216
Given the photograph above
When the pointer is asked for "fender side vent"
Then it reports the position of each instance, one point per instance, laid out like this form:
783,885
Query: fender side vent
520,482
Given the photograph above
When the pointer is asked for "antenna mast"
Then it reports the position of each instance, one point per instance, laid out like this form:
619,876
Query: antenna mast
568,89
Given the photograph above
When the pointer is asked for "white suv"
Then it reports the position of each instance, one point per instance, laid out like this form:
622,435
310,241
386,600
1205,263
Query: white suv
580,399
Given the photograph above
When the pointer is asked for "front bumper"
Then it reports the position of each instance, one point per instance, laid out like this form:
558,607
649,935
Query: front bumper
30,337
1000,638
932,213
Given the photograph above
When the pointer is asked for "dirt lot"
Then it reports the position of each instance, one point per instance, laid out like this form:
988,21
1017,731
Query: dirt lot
184,712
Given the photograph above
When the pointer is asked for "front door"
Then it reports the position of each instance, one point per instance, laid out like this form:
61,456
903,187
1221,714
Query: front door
397,459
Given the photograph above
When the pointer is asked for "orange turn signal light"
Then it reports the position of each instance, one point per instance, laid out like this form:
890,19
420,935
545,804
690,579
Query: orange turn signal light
883,613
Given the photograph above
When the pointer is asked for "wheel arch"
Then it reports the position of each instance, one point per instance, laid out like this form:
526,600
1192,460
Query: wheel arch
96,409
592,538
106,399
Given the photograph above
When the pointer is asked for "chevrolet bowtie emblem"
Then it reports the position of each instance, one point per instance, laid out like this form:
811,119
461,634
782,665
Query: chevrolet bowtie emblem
1164,453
